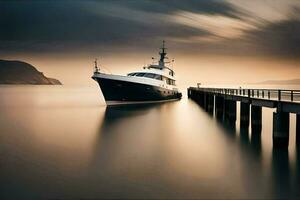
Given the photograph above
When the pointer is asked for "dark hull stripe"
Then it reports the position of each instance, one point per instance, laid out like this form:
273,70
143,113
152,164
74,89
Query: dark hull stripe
116,90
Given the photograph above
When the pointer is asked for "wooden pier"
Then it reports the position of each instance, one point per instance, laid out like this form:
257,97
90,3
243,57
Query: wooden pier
222,102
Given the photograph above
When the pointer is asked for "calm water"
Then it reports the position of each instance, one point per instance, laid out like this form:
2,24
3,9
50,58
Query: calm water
58,142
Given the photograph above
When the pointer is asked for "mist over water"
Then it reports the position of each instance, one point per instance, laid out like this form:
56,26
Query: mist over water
62,142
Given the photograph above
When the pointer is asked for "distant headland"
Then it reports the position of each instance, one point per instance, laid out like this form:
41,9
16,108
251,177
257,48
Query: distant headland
281,82
18,72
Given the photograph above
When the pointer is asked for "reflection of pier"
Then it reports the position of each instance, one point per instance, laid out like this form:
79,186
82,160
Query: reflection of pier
223,101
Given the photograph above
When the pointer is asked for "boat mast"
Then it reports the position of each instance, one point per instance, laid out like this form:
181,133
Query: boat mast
96,66
162,54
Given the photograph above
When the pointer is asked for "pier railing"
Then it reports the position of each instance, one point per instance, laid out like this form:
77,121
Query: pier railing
270,94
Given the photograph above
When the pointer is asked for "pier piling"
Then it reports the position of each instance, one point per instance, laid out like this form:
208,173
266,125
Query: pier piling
210,106
230,107
223,101
298,130
281,121
256,119
201,99
219,107
205,98
245,113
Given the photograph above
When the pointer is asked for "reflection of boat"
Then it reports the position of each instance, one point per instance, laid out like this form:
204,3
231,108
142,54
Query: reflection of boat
154,83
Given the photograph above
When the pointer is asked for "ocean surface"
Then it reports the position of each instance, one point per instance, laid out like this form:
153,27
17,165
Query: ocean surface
62,142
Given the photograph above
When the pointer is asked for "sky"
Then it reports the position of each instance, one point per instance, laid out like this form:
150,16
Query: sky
211,41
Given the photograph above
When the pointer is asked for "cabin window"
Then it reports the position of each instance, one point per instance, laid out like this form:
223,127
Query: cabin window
158,77
149,75
170,81
132,74
140,74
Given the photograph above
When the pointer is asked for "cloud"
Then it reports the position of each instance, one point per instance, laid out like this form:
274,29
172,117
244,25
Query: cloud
259,11
232,27
279,39
171,6
48,25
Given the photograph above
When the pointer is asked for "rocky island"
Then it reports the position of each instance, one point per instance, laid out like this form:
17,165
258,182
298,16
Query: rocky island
18,72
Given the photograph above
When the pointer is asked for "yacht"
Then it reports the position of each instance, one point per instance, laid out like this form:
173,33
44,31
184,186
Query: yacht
155,82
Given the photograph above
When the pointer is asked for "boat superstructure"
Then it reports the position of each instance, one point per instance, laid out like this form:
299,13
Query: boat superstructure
154,82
